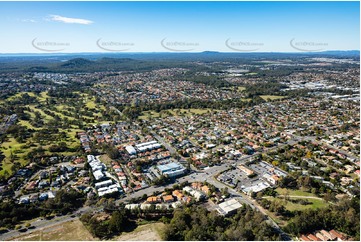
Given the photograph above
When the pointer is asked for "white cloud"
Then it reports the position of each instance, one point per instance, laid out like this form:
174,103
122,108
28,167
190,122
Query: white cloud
28,20
67,20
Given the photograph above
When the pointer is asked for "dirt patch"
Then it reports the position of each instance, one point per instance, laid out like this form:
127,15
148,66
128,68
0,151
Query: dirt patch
105,159
147,232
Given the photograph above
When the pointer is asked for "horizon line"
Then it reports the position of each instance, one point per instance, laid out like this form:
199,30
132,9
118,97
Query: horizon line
181,52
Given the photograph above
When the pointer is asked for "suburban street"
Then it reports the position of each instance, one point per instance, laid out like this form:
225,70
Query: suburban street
164,143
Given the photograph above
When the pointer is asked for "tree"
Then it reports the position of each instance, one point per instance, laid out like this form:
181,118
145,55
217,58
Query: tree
328,197
196,223
112,152
225,192
259,195
308,155
118,222
286,196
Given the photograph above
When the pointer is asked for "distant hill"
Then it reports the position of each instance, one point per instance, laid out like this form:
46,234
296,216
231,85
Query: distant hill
101,64
76,63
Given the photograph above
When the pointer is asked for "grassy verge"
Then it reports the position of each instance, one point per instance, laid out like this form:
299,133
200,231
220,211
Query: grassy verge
271,97
292,206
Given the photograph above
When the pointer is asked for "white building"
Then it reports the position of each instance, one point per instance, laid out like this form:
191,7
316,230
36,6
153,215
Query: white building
98,174
103,184
229,206
145,206
162,206
256,188
97,166
130,149
132,206
270,179
172,169
196,194
147,146
176,204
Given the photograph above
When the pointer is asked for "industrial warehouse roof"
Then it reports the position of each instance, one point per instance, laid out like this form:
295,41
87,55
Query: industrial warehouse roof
229,206
131,150
170,166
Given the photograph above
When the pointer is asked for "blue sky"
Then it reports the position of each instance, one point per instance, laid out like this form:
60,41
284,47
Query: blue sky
34,27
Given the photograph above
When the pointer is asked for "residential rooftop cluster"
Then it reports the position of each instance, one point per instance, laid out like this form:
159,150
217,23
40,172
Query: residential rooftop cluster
324,235
155,87
227,134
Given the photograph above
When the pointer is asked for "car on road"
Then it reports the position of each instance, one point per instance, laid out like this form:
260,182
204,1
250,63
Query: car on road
3,231
22,230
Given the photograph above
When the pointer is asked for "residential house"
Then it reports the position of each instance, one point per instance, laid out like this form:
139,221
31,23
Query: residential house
304,238
177,194
153,199
321,236
313,238
168,198
337,235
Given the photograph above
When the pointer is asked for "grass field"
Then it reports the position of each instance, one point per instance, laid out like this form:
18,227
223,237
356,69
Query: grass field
6,166
105,159
43,96
27,124
90,104
17,149
45,116
68,231
14,147
271,97
315,203
282,191
234,88
61,115
19,94
147,232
